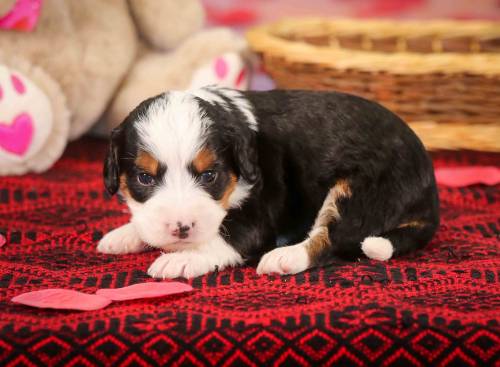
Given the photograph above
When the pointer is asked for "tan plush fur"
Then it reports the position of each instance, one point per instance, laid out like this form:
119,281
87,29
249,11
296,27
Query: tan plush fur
157,25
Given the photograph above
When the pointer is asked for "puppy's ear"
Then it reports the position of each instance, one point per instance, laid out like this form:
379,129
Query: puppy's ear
111,171
245,154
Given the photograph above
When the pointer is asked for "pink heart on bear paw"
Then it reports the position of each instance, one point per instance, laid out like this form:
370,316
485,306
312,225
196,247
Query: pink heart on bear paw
16,137
221,68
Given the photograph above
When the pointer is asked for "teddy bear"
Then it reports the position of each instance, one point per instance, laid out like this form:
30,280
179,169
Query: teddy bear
65,65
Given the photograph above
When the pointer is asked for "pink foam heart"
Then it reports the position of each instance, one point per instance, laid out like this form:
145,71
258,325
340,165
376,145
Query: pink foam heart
64,299
3,240
220,67
467,175
16,137
144,290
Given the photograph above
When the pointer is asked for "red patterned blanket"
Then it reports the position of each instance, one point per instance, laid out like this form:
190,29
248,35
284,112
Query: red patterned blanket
438,307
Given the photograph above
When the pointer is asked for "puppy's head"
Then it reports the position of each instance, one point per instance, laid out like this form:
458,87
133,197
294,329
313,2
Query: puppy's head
181,162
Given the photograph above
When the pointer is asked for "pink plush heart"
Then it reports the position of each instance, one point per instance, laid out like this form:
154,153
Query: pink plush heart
221,68
64,299
16,137
144,290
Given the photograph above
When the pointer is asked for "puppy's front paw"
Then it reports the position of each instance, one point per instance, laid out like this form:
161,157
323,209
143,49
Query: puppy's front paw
180,264
122,240
284,260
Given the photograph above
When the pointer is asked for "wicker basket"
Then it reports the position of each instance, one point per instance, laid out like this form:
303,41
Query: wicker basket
442,77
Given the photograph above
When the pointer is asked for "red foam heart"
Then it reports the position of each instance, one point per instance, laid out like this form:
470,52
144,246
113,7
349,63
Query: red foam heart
64,299
16,137
144,290
467,175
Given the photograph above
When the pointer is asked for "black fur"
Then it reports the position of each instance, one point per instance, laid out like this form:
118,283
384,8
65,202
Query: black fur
305,143
309,140
111,170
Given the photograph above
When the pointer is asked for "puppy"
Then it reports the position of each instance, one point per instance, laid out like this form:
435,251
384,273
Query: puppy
214,176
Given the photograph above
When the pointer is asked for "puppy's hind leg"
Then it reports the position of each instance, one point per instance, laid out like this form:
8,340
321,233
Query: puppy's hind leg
317,248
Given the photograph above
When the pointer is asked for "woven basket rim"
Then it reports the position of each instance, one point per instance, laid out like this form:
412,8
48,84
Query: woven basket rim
457,135
263,39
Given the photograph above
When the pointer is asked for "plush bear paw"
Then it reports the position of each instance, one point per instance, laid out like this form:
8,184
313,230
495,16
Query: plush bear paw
17,125
33,121
227,70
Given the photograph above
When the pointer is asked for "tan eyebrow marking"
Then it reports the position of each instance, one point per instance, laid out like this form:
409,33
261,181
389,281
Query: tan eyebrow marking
204,160
147,162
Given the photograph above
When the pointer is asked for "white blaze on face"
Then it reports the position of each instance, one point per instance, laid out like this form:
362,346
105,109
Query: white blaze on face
173,132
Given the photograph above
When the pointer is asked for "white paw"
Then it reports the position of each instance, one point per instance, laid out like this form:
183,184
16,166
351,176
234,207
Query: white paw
186,264
122,240
377,248
285,260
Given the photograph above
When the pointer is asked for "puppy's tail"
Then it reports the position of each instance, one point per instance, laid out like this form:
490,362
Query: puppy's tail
399,241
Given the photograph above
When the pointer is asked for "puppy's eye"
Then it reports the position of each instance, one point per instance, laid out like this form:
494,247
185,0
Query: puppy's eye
207,177
145,179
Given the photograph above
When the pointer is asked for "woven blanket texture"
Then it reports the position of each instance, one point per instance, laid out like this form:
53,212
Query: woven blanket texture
437,307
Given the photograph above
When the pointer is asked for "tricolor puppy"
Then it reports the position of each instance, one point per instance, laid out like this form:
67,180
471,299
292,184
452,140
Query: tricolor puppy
214,176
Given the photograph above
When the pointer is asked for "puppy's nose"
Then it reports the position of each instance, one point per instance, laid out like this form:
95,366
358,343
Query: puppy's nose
182,230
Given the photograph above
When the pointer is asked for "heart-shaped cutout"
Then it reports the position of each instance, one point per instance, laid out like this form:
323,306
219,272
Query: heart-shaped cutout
144,290
63,299
16,137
